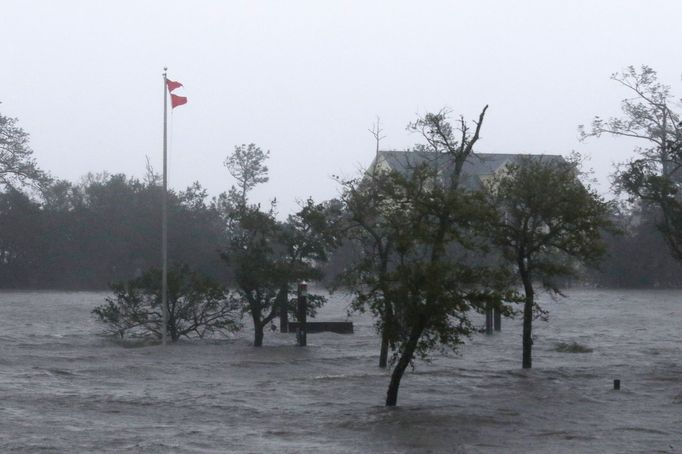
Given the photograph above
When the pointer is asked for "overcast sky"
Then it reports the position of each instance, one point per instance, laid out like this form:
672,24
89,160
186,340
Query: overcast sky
306,79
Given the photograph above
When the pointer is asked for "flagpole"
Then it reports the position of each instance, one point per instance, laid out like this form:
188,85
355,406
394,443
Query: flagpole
164,217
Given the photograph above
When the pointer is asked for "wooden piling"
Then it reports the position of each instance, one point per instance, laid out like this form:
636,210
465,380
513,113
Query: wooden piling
489,320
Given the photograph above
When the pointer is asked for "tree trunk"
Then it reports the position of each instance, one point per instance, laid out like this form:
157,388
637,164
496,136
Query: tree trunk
403,362
488,319
383,355
388,320
528,333
283,302
258,323
527,322
171,329
258,334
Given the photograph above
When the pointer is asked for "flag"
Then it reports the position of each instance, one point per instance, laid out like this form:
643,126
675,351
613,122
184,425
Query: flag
172,85
178,100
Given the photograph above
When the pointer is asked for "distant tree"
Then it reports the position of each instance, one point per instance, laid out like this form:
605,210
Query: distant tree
640,238
376,132
22,240
19,218
268,257
654,177
247,165
197,306
548,220
196,231
417,226
106,229
17,165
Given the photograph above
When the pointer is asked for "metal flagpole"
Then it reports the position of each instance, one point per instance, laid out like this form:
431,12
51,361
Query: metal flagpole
164,218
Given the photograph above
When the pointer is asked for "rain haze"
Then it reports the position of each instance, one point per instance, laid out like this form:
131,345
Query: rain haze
306,80
516,308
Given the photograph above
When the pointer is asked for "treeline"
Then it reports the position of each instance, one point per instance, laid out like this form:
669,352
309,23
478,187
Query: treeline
105,229
638,257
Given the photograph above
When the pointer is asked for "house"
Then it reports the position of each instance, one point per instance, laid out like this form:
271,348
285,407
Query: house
477,169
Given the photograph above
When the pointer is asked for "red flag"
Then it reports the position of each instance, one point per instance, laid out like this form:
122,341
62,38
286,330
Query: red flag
177,100
172,85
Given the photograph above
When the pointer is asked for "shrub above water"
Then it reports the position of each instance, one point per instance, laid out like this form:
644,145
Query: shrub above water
197,306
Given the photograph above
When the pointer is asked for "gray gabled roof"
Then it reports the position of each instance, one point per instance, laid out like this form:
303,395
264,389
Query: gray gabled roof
475,168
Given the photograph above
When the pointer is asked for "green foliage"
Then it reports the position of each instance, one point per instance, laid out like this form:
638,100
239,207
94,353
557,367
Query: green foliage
197,306
416,240
23,239
548,221
548,218
268,258
417,228
107,228
640,238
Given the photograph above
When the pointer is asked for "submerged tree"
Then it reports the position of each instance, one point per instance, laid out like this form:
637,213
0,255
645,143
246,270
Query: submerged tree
197,306
368,206
418,229
548,221
268,257
368,217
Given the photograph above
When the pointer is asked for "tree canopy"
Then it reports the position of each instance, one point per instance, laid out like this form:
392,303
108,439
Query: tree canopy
269,257
197,306
547,221
416,228
654,176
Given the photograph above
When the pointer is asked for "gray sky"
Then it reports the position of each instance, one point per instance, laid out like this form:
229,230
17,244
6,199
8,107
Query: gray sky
306,79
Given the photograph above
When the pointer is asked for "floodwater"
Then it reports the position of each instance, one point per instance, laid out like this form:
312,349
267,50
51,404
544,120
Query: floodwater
64,387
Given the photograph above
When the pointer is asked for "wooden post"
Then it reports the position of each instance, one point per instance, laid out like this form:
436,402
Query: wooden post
616,384
283,310
489,320
497,320
301,334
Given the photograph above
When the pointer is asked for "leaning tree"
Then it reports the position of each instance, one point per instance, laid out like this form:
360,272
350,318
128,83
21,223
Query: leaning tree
417,224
